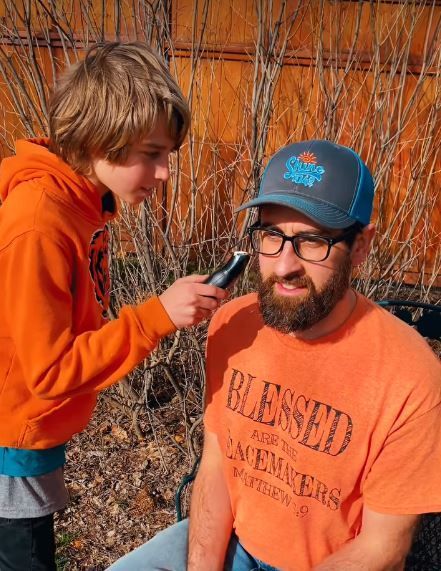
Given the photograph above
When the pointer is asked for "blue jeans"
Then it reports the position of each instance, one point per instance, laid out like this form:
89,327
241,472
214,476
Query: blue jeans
167,551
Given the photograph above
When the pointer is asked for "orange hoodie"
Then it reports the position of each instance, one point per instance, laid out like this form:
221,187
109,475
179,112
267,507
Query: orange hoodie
57,349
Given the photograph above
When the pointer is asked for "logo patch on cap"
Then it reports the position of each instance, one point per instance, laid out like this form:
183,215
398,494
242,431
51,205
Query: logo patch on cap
304,169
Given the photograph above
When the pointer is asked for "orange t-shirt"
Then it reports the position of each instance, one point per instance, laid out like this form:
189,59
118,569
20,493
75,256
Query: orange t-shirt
312,430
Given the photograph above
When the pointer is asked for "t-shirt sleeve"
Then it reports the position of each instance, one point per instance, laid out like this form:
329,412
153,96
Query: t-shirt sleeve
222,342
213,375
405,477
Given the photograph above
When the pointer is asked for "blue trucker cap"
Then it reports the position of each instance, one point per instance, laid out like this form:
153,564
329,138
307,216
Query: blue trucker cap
327,182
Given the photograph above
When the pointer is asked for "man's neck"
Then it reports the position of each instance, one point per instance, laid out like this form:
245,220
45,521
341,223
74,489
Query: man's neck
334,320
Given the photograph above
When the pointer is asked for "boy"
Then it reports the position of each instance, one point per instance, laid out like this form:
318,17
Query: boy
114,119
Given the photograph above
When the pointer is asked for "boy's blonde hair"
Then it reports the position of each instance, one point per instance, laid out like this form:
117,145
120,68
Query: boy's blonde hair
110,100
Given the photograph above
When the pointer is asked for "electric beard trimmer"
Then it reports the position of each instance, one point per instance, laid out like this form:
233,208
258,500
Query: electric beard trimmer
227,274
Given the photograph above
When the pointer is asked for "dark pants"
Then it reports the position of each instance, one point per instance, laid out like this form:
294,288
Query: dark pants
27,544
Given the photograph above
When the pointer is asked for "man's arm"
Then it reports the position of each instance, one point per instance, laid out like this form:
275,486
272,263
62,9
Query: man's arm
211,520
382,545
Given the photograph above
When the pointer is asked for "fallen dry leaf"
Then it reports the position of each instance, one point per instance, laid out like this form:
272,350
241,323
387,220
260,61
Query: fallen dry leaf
119,433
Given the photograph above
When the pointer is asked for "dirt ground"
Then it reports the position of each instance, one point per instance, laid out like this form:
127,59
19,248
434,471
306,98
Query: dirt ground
122,488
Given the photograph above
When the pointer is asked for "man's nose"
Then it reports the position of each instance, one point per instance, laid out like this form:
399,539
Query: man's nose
287,262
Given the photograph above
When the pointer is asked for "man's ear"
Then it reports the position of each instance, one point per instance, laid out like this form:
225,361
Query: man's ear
362,245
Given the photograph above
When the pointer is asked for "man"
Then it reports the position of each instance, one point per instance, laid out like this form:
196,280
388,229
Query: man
323,410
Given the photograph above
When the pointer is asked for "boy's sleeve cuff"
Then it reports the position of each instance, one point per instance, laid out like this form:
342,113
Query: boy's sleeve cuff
153,320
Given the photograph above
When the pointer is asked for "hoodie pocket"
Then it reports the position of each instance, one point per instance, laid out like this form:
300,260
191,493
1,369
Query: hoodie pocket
58,425
7,353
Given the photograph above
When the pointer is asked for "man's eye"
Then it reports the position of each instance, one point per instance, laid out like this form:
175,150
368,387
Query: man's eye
311,242
270,236
151,154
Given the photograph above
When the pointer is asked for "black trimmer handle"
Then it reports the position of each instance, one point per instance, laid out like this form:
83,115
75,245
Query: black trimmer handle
227,274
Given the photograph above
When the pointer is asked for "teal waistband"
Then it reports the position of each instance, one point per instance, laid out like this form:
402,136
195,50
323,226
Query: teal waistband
26,463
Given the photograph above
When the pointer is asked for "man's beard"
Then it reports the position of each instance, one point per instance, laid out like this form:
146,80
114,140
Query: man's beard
298,313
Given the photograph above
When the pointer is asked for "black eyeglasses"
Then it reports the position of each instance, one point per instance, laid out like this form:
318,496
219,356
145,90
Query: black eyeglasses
308,247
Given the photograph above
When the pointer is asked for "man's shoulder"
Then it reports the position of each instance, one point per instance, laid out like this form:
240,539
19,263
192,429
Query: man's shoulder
394,339
237,309
247,303
396,328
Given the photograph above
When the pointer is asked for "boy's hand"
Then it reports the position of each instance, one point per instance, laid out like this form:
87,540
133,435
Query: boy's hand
189,300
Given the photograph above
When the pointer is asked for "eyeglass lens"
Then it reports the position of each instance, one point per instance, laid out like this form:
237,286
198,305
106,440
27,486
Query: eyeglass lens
309,248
